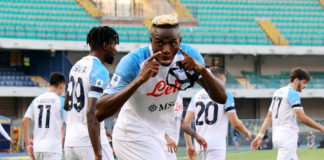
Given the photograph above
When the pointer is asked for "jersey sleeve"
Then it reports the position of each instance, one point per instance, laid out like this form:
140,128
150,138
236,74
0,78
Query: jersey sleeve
30,111
126,71
294,99
229,106
98,79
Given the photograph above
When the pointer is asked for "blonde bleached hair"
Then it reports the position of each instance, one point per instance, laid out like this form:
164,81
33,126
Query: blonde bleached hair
165,21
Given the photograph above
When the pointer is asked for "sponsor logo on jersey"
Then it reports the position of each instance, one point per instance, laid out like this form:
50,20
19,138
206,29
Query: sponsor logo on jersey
115,80
161,107
161,88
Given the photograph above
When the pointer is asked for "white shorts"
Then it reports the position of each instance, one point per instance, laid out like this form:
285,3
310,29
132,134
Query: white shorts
212,154
86,153
148,149
286,150
47,156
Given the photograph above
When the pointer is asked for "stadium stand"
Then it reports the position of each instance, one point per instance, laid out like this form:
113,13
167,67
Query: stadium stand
11,76
280,80
55,20
235,22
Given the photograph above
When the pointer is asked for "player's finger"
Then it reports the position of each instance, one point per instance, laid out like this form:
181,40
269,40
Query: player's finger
154,56
183,52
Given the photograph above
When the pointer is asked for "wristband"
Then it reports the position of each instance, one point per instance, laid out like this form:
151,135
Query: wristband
261,135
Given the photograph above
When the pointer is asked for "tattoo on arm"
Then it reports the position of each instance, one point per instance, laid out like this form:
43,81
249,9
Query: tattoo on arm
190,132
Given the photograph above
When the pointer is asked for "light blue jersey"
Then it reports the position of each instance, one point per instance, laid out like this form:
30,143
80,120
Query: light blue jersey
147,111
88,78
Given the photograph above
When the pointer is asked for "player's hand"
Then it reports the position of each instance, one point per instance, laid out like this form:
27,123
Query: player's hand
189,63
248,136
150,68
256,143
191,152
30,151
202,142
98,157
322,129
172,146
108,134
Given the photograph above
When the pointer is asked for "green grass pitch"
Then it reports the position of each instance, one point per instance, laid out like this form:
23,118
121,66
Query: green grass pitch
311,154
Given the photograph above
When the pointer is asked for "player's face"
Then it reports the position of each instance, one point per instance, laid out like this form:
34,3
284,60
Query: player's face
166,40
301,85
110,52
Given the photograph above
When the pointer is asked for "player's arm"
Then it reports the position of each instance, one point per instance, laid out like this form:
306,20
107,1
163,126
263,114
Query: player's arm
237,124
94,127
307,120
208,81
186,123
25,126
258,140
109,104
66,101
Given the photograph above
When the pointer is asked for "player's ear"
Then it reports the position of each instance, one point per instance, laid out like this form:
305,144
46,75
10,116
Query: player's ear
180,39
105,45
150,39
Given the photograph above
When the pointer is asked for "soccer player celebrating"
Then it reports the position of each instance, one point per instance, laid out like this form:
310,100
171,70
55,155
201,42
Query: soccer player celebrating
211,120
284,108
141,80
85,137
48,114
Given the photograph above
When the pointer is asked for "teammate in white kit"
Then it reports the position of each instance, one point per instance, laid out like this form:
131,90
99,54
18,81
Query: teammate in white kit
141,83
284,108
48,114
85,137
211,121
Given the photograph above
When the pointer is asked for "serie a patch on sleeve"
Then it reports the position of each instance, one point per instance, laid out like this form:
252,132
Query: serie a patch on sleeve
115,80
99,83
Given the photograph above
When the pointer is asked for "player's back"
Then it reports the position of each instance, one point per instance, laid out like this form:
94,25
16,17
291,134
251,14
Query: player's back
81,75
211,120
47,112
283,117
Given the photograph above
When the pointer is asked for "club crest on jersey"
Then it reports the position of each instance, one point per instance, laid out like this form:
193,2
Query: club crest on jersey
99,83
161,88
115,80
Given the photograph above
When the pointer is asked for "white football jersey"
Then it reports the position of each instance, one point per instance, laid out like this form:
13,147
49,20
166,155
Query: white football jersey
173,129
284,101
147,111
88,78
48,114
211,120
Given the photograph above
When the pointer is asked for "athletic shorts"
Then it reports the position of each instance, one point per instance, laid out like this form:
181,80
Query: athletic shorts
212,154
148,149
86,153
47,156
286,149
